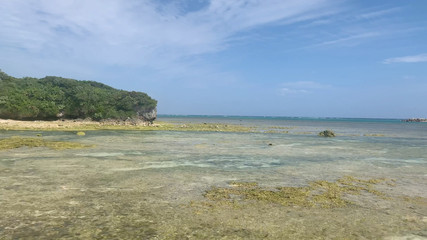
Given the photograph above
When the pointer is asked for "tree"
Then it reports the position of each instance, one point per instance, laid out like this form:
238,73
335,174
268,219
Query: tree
50,97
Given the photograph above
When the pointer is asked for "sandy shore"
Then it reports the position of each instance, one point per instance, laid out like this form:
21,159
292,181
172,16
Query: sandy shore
7,124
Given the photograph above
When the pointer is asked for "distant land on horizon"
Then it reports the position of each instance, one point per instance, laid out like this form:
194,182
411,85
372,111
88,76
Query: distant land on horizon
283,117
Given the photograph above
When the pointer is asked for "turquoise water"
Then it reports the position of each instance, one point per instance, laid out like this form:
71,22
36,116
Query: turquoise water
151,185
347,126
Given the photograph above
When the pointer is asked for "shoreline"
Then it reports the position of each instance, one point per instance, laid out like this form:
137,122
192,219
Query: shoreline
69,125
88,125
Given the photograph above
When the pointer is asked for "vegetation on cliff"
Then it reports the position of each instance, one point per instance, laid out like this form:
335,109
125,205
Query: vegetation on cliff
51,98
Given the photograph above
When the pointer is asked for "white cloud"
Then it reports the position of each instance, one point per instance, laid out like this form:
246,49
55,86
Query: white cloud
286,91
301,87
407,59
137,32
305,84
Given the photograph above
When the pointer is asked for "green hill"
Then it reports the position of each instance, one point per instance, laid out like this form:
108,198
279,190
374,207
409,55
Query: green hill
51,98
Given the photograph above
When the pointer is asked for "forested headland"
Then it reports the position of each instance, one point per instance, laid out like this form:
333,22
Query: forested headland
52,98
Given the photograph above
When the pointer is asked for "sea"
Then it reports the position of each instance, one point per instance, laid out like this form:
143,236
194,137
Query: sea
155,184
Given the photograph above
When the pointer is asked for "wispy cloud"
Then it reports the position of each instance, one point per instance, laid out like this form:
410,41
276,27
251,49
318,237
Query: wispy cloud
349,39
379,13
138,32
354,26
407,59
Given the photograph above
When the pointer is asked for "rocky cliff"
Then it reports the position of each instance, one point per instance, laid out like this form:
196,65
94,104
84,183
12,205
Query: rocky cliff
148,116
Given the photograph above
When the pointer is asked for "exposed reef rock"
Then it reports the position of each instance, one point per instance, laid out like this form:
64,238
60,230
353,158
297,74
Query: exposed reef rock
327,133
415,120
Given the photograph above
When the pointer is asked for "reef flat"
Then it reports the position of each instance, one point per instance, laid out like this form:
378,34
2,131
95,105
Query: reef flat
213,179
88,125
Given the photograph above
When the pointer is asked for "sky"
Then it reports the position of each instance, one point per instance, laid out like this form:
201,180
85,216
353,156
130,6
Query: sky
314,58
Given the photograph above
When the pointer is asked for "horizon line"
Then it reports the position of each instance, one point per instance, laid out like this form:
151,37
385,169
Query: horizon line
269,116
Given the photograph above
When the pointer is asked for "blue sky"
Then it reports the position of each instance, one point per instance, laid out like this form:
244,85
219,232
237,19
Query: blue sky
318,58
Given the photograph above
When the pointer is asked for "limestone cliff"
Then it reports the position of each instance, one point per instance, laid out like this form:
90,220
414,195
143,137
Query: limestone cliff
148,116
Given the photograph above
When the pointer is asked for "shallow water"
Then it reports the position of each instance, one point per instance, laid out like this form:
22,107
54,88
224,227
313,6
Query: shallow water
151,185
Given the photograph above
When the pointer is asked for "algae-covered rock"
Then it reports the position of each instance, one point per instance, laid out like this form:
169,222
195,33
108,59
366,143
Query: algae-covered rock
17,142
327,133
80,133
373,135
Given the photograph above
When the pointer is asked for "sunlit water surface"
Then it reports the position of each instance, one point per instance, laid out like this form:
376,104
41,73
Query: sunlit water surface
149,185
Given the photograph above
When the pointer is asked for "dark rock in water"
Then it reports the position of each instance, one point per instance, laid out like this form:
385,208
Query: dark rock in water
270,144
415,120
327,133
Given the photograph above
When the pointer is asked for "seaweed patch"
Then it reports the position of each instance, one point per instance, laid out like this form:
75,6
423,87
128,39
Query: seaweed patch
17,142
323,194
